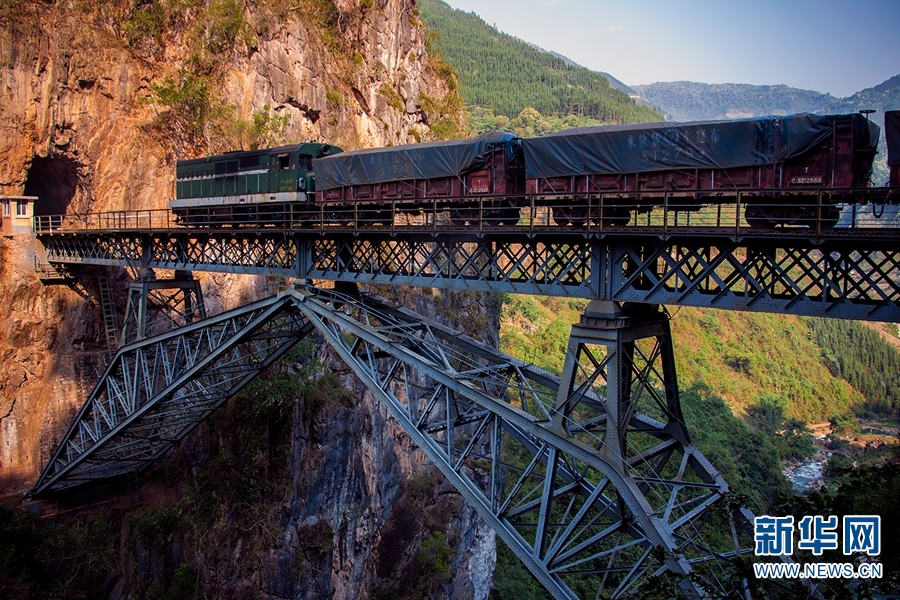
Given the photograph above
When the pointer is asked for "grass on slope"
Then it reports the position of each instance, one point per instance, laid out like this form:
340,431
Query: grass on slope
744,356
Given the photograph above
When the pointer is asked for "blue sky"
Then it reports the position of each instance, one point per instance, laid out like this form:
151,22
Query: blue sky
834,46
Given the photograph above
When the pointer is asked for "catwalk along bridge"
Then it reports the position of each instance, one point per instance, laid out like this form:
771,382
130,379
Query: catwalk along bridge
591,477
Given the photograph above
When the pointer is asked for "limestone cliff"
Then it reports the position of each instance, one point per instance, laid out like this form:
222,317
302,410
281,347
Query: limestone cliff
86,125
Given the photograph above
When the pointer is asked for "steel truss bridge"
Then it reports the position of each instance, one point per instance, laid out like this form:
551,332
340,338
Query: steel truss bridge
591,477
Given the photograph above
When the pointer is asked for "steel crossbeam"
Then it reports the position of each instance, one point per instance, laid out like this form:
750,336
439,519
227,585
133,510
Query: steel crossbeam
175,301
270,254
550,268
582,491
858,279
156,390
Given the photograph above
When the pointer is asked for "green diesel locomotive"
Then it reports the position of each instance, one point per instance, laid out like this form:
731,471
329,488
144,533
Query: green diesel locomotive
270,186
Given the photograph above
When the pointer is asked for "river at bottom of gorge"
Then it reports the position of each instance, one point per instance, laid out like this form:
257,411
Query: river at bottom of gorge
808,474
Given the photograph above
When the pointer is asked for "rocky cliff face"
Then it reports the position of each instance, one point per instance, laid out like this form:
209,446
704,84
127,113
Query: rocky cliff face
85,125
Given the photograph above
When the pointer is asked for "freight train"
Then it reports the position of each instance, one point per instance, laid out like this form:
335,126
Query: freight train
791,169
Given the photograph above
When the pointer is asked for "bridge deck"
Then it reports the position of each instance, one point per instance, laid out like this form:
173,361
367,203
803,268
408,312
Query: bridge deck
707,258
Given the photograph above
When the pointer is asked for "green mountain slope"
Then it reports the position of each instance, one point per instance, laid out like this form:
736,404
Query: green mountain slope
508,75
739,356
612,80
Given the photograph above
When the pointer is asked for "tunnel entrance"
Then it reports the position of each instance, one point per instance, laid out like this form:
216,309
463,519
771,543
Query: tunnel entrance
53,180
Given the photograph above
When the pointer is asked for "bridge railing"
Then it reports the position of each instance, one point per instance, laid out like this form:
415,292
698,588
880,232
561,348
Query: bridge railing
114,220
662,212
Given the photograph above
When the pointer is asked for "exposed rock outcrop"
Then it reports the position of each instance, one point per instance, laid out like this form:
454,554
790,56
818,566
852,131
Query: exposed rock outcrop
79,128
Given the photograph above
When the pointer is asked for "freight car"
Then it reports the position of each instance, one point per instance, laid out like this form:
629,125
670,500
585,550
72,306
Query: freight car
469,178
261,187
779,164
892,137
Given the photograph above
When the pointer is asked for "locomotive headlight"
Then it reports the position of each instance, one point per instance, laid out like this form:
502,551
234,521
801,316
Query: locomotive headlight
301,183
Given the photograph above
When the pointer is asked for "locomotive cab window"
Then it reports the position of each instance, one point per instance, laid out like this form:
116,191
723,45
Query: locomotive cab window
304,162
284,162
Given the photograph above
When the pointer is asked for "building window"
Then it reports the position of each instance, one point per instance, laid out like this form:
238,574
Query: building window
6,208
21,208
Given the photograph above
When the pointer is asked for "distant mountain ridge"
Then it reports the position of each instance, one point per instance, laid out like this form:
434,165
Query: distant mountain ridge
692,101
882,97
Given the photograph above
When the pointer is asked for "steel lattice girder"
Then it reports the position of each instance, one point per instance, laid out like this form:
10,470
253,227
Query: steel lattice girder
859,279
552,493
156,390
559,268
833,280
273,254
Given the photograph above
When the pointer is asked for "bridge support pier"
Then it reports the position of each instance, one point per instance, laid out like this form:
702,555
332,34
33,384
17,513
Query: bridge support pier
148,300
625,352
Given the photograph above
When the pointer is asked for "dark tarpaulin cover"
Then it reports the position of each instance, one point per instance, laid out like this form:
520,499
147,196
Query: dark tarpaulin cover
619,149
892,135
415,161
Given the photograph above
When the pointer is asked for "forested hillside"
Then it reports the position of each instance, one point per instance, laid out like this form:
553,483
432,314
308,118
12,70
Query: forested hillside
741,357
612,80
858,354
507,75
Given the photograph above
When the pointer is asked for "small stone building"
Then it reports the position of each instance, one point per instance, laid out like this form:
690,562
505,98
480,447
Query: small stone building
16,213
